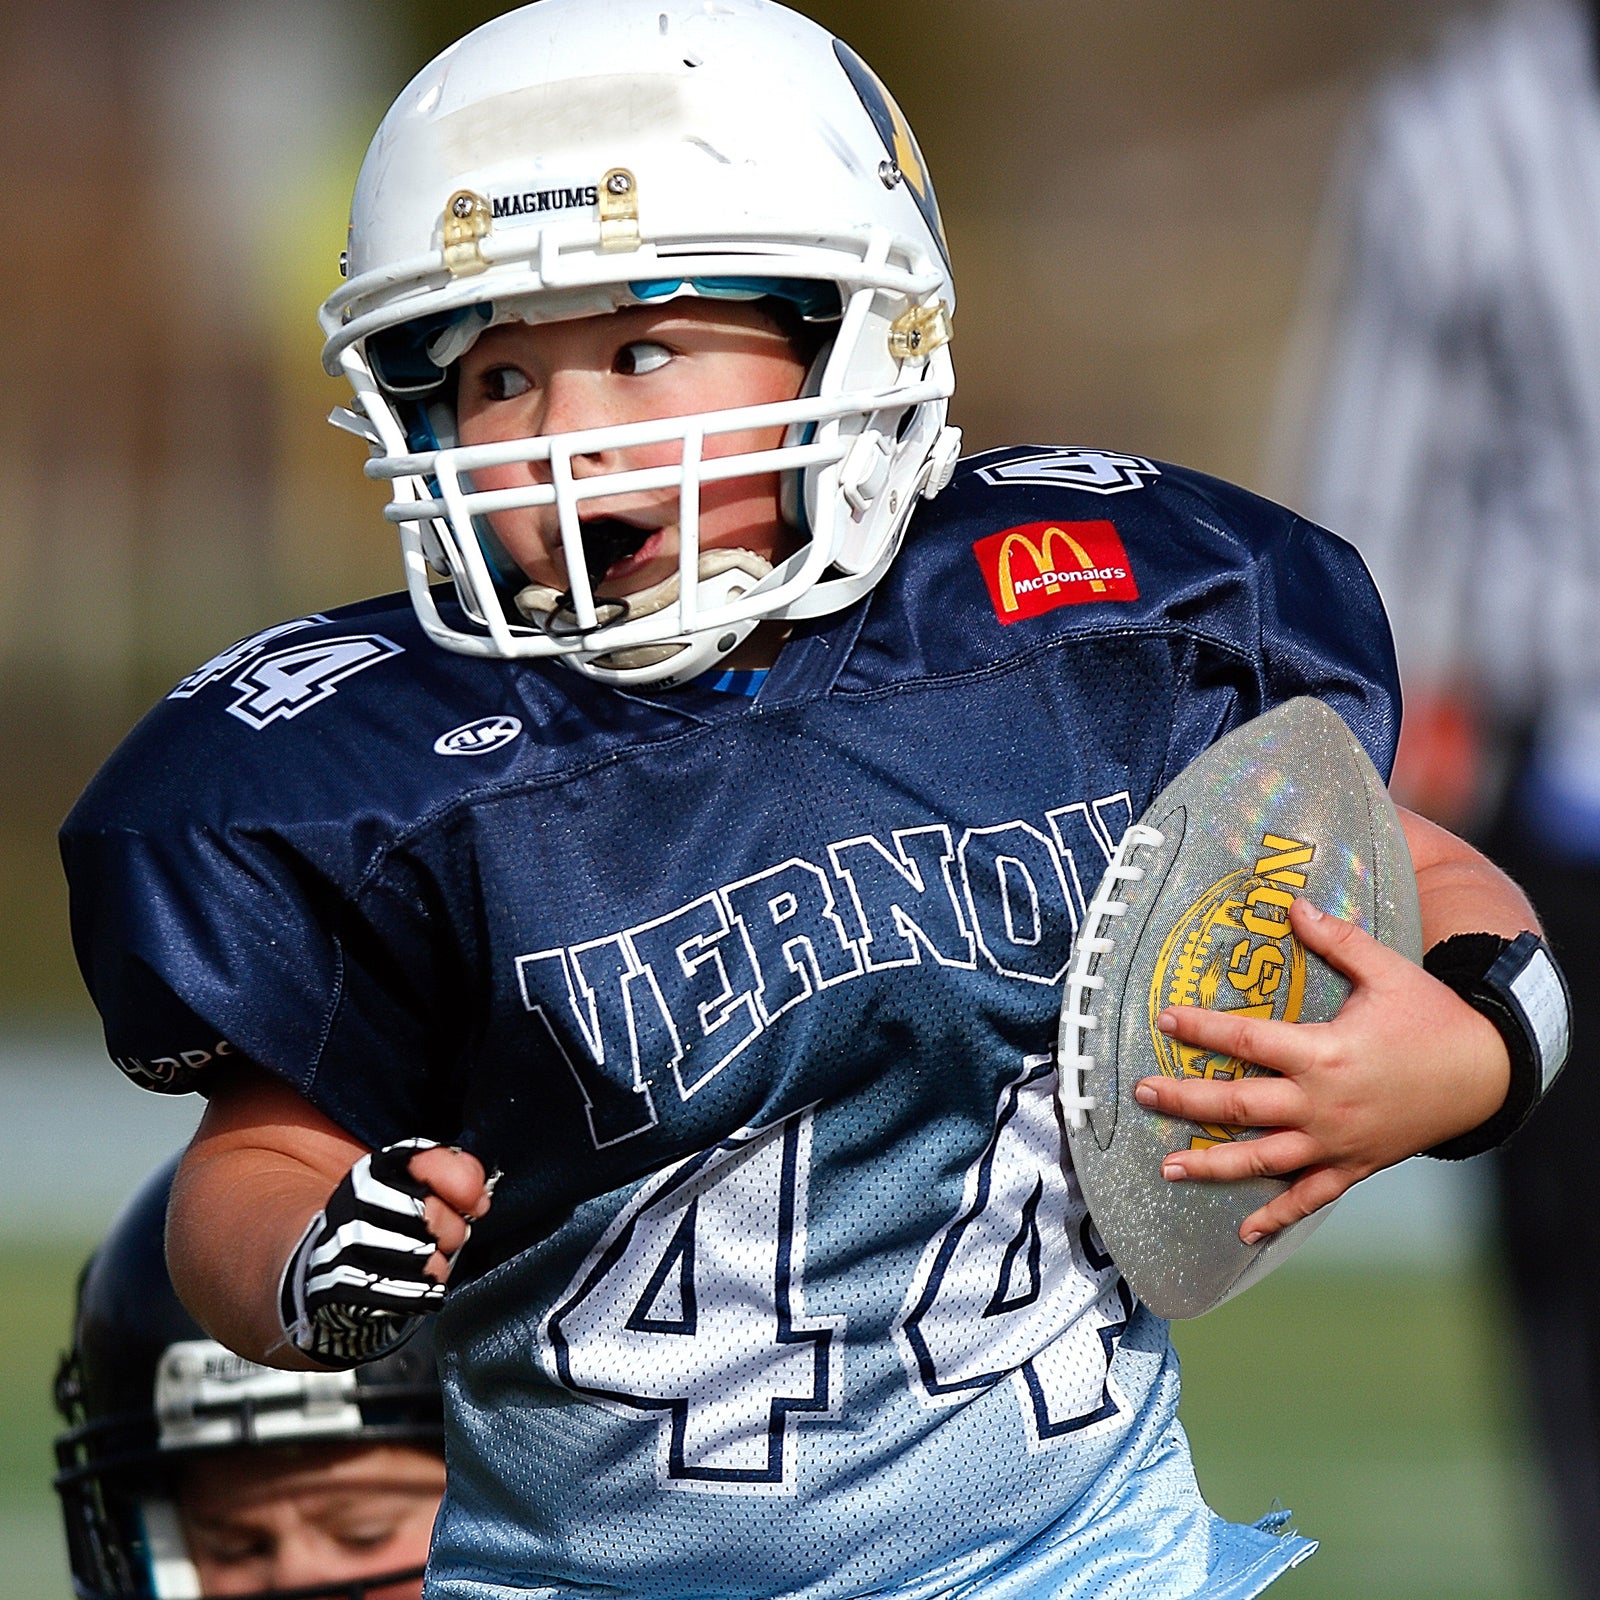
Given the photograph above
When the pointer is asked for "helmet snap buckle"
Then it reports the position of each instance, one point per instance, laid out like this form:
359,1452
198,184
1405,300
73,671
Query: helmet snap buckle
619,211
917,333
866,470
467,222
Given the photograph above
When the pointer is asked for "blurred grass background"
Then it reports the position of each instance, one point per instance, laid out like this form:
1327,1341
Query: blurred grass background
1132,194
1381,1403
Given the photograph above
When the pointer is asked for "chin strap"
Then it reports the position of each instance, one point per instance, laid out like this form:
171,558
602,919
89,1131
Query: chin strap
725,575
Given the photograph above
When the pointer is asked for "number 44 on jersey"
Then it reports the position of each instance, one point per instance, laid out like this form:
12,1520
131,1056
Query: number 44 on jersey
690,1312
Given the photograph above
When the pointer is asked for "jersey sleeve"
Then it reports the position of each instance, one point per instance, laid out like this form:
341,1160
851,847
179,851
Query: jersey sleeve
210,921
1244,602
1174,602
1306,620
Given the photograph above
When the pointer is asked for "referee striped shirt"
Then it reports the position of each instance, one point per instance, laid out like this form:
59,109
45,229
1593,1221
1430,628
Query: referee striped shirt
1458,440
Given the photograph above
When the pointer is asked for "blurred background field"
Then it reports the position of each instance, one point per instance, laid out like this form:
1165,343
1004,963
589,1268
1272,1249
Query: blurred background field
1132,194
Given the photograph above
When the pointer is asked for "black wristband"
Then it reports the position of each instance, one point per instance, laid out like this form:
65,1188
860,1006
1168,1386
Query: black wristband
1517,985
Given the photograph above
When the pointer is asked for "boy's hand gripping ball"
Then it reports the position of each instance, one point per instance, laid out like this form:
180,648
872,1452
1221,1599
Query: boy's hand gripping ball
1193,910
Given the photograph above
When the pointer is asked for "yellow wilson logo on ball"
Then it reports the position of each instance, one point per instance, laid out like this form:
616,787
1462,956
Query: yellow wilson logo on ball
1232,950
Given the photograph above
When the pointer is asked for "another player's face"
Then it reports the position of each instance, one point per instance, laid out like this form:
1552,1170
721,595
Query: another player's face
285,1519
520,381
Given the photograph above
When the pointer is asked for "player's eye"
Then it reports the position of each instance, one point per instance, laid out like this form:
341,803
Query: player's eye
230,1548
642,356
366,1536
504,383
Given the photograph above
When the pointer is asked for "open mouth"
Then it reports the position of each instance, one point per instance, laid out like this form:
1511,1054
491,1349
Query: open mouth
609,542
611,548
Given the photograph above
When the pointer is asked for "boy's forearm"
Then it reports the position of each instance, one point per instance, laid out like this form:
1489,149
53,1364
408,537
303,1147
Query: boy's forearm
261,1164
1463,893
234,1219
1460,890
1471,897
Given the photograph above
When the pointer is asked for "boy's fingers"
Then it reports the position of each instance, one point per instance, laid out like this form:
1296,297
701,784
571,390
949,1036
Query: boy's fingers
1274,1155
1256,1102
456,1177
1319,1187
460,1196
449,1228
1286,1047
1345,947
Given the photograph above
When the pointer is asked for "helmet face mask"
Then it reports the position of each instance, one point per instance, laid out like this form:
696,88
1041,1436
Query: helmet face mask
145,1395
578,157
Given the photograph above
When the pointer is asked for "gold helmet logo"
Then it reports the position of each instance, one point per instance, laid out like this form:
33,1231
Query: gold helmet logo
905,162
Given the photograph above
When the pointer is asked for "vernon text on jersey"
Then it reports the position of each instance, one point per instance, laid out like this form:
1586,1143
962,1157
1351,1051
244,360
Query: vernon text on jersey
683,994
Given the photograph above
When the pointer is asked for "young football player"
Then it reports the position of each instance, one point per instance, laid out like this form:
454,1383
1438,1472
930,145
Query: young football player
713,885
187,1472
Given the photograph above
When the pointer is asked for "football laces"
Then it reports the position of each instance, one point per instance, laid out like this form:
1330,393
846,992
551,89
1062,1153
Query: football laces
1094,941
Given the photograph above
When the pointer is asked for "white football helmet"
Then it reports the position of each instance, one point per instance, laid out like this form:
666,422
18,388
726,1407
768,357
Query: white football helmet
577,156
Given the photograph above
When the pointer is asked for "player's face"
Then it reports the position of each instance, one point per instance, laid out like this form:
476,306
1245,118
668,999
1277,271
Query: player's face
520,381
284,1519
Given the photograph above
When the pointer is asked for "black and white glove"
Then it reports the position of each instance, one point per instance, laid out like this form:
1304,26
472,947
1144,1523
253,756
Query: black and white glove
355,1286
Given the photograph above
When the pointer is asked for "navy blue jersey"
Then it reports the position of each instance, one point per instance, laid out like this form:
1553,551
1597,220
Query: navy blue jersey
752,1001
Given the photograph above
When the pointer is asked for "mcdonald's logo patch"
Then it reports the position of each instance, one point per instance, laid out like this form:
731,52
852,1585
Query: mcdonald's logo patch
1042,565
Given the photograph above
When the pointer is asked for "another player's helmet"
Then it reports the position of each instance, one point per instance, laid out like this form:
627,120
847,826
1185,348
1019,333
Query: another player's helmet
578,156
143,1390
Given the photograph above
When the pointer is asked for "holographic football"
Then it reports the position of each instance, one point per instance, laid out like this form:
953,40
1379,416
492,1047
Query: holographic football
1193,910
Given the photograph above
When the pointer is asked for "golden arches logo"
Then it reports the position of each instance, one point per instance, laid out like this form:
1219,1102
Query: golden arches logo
1046,568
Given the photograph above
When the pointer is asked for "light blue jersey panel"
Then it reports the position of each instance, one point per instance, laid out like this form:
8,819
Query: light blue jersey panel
861,1350
1154,1540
